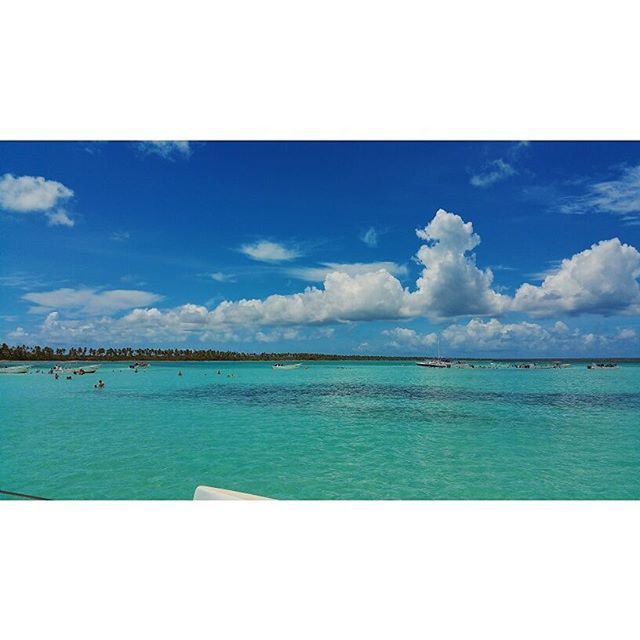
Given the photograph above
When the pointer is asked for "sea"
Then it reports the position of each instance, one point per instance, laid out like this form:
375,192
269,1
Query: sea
329,430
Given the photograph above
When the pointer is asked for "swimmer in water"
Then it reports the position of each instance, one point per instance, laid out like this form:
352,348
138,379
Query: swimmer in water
179,373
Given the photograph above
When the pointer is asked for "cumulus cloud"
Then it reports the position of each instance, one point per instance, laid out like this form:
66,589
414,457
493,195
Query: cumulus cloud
451,284
479,335
59,218
620,196
602,279
31,194
370,237
404,337
344,297
167,149
154,326
318,274
268,251
90,301
27,194
526,337
495,171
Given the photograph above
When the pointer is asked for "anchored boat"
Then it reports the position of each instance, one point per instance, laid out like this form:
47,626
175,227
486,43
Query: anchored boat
21,368
435,363
76,370
282,366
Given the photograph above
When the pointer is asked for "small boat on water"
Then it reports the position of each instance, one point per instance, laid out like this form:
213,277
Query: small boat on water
19,368
139,365
435,363
283,366
76,370
603,365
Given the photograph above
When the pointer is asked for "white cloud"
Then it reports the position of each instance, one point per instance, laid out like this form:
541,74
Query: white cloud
602,279
26,194
90,301
495,171
167,149
620,196
59,218
268,251
451,284
527,337
120,236
479,335
560,327
318,274
409,338
363,296
18,334
370,237
30,194
219,276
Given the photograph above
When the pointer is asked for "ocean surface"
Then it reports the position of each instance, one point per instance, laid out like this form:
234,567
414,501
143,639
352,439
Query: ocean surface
329,430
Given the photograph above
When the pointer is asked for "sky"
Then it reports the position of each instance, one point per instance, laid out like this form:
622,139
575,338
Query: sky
485,249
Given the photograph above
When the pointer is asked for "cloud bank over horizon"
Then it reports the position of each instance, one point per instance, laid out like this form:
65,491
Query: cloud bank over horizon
601,280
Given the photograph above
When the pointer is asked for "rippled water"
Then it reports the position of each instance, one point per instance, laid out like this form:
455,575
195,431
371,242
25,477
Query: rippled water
328,430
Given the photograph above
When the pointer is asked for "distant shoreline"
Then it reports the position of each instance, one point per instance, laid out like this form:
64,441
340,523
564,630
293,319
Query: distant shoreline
310,358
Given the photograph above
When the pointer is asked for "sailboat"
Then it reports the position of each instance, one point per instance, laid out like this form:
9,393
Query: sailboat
437,363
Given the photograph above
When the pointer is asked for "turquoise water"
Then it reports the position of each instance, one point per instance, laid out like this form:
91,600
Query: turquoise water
383,430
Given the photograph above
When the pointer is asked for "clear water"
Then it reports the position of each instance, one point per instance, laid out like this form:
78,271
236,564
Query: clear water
328,430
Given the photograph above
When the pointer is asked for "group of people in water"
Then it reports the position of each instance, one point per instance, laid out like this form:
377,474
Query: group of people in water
218,373
57,371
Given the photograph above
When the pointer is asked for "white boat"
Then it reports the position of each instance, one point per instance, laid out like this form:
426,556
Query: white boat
138,365
435,363
76,370
603,365
282,367
19,368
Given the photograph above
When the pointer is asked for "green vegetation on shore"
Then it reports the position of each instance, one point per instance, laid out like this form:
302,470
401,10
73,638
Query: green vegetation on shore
24,352
37,353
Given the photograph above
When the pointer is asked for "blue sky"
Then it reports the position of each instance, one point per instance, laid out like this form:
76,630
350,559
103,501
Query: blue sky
328,247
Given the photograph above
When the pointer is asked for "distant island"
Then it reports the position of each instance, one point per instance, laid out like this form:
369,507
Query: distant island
38,353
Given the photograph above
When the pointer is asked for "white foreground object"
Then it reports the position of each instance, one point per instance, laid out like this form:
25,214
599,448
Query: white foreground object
203,492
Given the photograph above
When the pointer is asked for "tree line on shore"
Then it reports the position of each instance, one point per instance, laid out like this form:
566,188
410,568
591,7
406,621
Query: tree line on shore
24,352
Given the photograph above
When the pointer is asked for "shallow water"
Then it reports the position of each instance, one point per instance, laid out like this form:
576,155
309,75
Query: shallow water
381,430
